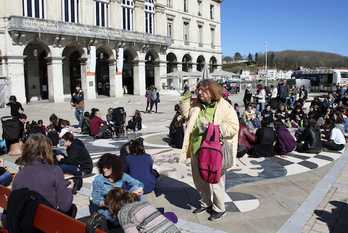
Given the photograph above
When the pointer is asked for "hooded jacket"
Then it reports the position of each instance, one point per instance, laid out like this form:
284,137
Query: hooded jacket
78,156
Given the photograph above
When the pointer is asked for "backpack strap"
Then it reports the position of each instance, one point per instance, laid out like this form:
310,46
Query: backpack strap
213,130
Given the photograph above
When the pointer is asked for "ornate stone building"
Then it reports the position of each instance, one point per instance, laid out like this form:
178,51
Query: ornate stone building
48,47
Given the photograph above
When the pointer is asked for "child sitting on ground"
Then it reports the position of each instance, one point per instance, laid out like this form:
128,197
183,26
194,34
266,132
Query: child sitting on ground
66,127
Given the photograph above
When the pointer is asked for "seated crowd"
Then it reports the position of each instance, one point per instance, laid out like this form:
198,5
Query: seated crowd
324,125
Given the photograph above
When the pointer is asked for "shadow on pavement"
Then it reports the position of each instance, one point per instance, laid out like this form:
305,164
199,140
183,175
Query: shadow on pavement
178,193
336,218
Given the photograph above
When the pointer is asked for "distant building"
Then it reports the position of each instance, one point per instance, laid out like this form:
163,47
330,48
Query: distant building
245,75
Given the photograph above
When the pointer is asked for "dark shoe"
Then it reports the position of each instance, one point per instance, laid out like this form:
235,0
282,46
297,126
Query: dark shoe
202,210
215,216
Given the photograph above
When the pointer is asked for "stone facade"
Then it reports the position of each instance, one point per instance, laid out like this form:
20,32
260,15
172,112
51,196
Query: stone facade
109,47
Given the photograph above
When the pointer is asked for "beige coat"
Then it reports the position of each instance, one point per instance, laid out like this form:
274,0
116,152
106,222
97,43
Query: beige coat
225,116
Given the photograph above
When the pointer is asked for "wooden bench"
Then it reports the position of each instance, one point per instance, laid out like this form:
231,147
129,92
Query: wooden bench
47,219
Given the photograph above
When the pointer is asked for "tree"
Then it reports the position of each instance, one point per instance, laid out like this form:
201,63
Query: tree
237,56
271,60
227,59
250,58
256,57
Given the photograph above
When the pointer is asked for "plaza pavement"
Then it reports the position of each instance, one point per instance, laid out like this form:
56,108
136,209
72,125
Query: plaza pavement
298,194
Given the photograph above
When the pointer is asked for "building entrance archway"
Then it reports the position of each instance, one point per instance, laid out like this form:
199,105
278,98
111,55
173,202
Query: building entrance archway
102,74
127,73
35,72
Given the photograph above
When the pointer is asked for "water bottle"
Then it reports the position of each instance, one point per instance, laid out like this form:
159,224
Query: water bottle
136,127
302,124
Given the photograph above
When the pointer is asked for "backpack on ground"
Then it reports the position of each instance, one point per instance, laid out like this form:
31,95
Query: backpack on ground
210,156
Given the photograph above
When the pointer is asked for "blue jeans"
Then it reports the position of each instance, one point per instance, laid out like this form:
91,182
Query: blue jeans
292,100
332,145
79,116
70,169
258,107
4,178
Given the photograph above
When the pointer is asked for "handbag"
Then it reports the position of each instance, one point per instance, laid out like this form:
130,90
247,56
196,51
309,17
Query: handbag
16,149
210,156
227,154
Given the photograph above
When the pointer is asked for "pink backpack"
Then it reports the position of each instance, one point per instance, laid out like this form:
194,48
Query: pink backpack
210,156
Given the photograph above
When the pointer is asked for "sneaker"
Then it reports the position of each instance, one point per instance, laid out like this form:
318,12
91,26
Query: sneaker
202,209
215,216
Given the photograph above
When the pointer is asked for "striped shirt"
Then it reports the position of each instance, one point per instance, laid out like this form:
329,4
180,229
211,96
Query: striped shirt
142,217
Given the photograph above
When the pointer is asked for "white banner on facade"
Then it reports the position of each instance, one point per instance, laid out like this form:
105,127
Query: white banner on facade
119,61
91,60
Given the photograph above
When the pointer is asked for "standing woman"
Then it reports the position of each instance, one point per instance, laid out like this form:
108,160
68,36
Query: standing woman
156,97
247,96
211,105
149,99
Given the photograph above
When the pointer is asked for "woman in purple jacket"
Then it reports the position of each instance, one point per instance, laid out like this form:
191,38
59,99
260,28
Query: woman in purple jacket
40,175
286,143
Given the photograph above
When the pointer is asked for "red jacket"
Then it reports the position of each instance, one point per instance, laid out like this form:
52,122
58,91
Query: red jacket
245,137
95,125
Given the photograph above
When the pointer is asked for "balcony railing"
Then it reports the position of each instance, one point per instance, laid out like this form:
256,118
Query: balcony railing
44,26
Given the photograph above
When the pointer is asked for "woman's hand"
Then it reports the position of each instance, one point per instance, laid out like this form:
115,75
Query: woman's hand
139,191
71,185
59,157
192,88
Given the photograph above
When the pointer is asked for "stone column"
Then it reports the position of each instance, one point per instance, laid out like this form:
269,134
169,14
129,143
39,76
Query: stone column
112,77
160,69
55,79
87,82
15,71
139,77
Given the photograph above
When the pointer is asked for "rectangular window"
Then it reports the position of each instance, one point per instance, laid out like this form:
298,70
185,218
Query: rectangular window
199,7
149,16
186,25
200,34
211,12
169,4
170,28
34,8
212,35
127,17
185,6
70,10
101,13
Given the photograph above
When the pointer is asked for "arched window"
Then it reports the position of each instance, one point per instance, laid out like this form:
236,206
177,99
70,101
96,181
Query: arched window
149,16
34,8
127,12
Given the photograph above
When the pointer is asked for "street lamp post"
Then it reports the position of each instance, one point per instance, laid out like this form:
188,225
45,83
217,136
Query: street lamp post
266,63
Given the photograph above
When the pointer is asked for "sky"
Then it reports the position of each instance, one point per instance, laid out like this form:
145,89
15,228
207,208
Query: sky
318,25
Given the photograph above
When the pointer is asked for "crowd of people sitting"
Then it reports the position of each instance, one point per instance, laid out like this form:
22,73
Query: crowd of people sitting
323,125
118,191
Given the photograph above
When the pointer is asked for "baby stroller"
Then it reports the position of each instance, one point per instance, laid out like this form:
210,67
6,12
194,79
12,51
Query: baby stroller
11,130
119,119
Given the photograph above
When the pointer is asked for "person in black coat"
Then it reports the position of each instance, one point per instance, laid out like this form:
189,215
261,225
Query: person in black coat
16,107
318,105
85,123
309,141
176,131
297,115
135,121
78,161
265,139
57,122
